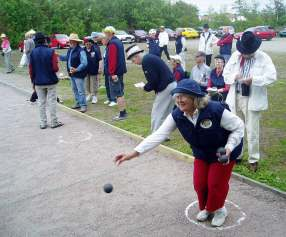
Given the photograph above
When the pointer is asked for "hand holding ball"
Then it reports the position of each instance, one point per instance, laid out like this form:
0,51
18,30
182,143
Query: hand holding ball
222,157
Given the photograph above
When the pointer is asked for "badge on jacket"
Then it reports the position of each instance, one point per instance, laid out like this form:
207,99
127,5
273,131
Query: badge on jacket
206,123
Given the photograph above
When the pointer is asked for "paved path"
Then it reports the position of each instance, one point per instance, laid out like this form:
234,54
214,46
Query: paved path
51,184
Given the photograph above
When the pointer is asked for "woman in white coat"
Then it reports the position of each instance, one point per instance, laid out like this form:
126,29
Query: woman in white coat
248,72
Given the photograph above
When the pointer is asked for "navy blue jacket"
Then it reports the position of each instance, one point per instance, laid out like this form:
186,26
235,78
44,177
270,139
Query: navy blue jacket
218,82
226,47
93,58
121,63
42,69
75,62
179,73
154,47
207,136
179,45
157,73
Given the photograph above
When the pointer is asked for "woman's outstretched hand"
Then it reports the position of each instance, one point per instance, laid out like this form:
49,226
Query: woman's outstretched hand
124,157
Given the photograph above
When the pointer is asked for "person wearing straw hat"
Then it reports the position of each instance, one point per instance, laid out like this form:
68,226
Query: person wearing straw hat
163,42
248,72
77,69
29,44
178,71
206,126
159,79
153,43
7,51
43,67
116,67
181,46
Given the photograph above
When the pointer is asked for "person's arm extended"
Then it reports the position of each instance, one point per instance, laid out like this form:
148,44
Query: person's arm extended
83,61
150,142
235,125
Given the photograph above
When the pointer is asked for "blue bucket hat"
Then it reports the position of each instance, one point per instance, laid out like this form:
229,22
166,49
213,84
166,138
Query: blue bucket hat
190,87
249,43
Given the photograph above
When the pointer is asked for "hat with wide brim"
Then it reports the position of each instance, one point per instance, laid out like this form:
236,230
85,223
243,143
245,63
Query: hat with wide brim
249,43
189,87
74,37
177,58
3,35
132,51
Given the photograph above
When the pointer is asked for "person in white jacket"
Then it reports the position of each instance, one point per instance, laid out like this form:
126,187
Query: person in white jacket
206,43
163,42
248,72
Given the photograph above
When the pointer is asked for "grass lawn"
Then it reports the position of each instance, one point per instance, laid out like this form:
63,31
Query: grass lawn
272,169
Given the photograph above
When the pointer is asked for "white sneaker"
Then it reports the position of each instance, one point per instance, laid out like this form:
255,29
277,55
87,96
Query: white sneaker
106,102
88,98
219,217
203,215
94,100
112,103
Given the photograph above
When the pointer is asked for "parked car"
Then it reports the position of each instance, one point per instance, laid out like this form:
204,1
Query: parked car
190,33
282,33
220,31
172,34
124,37
263,32
140,35
59,41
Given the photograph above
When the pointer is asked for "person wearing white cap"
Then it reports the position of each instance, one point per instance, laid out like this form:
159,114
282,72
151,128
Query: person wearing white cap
163,42
178,71
153,43
6,51
115,64
159,79
181,46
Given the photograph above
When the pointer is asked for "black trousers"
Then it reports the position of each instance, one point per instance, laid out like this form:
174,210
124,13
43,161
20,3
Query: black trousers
209,59
165,49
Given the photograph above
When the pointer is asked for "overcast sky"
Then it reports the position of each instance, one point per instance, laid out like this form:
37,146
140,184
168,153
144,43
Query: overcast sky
204,5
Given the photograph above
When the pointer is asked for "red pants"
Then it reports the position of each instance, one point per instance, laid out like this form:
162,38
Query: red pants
211,183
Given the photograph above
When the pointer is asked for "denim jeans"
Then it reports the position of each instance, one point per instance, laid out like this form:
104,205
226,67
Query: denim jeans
78,87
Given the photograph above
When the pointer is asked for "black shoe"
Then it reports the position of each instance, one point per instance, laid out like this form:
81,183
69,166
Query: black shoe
43,126
75,107
253,166
120,117
59,124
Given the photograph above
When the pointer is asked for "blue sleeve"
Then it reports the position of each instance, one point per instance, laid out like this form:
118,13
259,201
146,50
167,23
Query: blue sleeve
83,61
63,57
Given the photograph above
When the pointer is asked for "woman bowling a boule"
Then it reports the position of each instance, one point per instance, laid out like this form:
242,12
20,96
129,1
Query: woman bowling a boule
208,126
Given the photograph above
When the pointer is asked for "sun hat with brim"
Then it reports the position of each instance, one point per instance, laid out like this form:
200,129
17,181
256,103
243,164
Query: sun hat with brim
189,87
249,43
109,29
3,35
31,32
176,58
74,37
132,51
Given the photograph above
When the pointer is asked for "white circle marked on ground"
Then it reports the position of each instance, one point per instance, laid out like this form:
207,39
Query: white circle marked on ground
76,138
238,219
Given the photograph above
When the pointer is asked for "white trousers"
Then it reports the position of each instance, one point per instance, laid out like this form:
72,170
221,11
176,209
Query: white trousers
162,106
251,120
